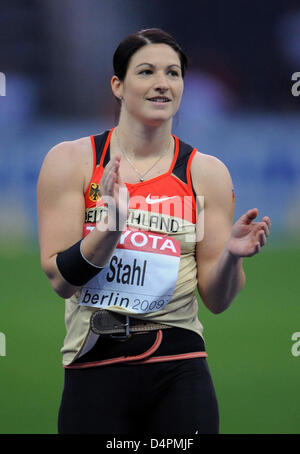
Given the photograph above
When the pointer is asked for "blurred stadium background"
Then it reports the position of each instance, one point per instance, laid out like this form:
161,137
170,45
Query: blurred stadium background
238,105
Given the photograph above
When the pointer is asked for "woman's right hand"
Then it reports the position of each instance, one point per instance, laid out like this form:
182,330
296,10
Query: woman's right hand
114,194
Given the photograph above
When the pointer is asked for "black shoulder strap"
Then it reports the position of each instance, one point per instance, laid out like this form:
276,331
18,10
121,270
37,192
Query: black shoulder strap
179,169
100,140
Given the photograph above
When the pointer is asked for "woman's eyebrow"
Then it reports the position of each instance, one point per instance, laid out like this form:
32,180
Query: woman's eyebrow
153,66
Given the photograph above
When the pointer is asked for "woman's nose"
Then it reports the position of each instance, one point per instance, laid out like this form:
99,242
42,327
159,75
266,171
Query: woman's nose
161,82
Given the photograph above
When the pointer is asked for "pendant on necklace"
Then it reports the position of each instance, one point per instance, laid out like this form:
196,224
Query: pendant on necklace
142,179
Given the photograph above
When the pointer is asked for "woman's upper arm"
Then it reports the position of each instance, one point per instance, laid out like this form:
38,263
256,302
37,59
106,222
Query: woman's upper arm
60,201
212,180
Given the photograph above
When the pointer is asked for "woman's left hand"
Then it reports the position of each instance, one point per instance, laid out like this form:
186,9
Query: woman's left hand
248,237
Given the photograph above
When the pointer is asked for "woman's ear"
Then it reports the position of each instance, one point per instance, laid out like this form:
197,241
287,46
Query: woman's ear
117,87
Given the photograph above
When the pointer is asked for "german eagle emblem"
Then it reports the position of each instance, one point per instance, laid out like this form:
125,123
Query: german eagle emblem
94,193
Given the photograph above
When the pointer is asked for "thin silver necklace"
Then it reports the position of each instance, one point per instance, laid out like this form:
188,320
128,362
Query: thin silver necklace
141,175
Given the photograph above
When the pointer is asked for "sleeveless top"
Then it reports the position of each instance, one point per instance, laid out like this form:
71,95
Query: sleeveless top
152,272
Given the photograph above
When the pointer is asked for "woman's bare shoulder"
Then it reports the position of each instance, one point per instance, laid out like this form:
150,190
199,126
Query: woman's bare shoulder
204,162
77,150
207,170
74,157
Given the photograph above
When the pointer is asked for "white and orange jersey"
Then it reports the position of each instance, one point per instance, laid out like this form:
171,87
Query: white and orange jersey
152,273
159,204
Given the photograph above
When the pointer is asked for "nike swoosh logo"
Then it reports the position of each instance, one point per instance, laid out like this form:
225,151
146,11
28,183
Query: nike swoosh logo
152,201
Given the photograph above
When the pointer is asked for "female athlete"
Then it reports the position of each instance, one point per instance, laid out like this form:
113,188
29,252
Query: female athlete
132,221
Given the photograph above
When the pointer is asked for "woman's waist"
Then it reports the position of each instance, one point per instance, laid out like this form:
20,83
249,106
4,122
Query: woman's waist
144,347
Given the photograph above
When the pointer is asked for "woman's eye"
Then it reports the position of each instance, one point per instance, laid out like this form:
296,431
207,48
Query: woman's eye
146,71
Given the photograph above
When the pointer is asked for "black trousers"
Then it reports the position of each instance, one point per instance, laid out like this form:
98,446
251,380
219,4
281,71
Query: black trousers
175,397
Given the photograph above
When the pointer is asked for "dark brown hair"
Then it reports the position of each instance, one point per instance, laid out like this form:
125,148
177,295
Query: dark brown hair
135,41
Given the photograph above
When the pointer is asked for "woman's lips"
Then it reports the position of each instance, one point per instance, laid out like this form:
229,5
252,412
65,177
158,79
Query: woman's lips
159,100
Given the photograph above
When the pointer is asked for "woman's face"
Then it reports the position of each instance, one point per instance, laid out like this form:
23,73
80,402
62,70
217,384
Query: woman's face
153,84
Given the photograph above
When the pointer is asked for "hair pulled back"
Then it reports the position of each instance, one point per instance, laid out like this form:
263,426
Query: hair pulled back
135,41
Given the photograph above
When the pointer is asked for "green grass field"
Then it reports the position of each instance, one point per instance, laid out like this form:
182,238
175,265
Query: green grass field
249,348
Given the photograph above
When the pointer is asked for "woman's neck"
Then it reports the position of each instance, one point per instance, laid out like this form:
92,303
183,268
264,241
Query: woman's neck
142,141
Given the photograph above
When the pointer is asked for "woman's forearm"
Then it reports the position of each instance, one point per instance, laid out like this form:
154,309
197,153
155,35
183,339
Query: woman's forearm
97,247
226,280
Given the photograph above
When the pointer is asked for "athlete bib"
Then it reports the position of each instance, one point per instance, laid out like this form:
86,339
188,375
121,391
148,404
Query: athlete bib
140,276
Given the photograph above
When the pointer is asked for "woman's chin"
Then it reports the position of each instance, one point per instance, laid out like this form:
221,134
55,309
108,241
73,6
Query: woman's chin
156,120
